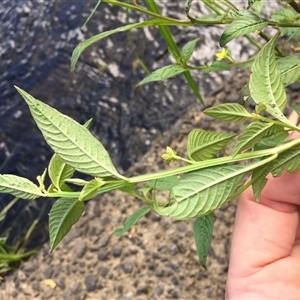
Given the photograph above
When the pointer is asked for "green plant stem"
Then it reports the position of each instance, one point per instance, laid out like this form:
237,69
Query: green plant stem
187,22
146,11
295,6
250,182
133,47
216,162
165,32
184,160
213,6
273,152
259,117
229,5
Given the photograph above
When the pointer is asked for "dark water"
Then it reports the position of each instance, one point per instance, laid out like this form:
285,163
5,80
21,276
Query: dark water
37,39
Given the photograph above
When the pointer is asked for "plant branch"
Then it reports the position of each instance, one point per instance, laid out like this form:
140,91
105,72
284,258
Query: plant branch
216,162
295,6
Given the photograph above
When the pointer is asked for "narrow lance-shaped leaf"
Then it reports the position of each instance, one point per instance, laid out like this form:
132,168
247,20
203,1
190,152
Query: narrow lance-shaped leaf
163,184
59,171
202,145
19,187
70,140
91,14
251,136
289,160
228,112
64,214
188,49
273,136
132,220
241,27
90,190
203,229
82,46
265,83
163,73
203,191
217,66
289,68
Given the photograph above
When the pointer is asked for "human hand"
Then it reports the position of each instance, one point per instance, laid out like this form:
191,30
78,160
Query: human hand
265,251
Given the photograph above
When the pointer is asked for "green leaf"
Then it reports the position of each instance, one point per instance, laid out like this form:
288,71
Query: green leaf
203,229
273,137
90,189
70,140
258,5
202,145
163,184
259,183
88,123
289,68
284,15
289,71
91,14
228,112
289,160
217,66
128,189
163,73
188,50
291,32
132,220
19,187
83,45
242,14
203,191
265,83
59,171
241,27
64,214
165,32
251,136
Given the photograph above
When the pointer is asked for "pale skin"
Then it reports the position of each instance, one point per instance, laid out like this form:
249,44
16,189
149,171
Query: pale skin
265,251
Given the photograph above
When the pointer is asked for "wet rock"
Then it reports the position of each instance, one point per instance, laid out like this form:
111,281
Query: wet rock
30,267
174,281
181,227
80,249
172,249
158,290
127,267
90,282
75,287
61,283
142,290
103,241
116,251
104,220
103,271
103,255
48,272
159,272
36,286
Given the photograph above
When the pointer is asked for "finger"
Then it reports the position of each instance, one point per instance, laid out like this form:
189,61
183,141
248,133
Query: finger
265,232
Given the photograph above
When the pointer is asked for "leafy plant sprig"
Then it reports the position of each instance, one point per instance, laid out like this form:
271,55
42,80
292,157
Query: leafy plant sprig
207,180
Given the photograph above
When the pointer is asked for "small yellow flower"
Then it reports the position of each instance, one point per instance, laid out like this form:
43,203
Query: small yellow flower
222,55
169,155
